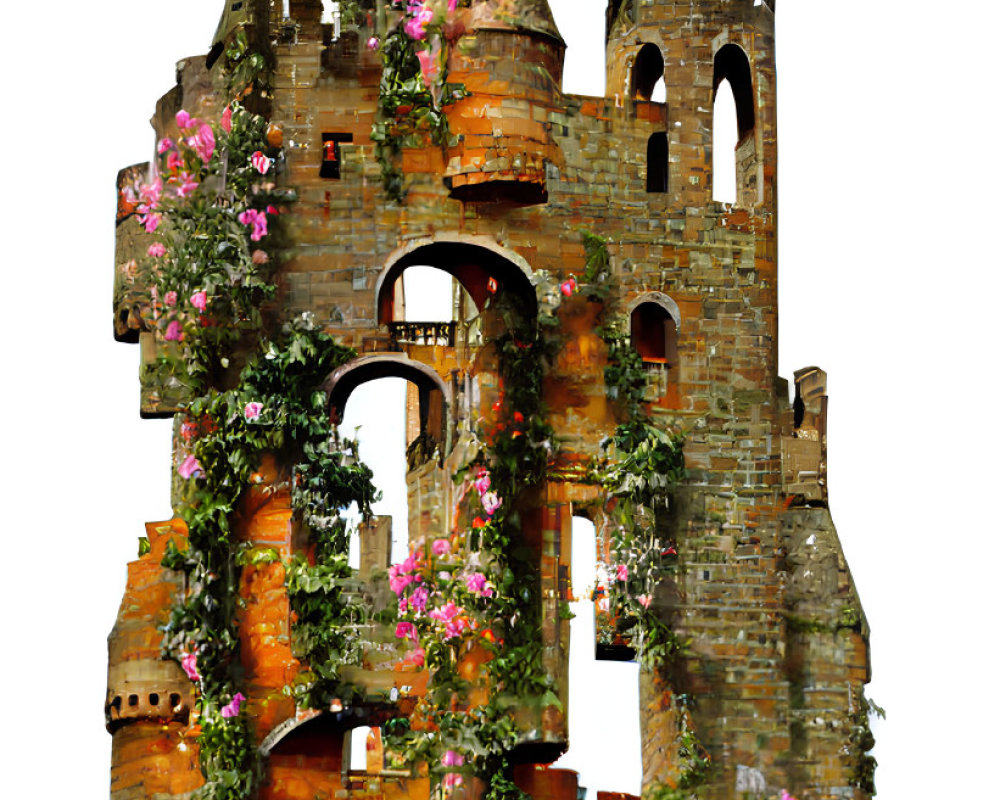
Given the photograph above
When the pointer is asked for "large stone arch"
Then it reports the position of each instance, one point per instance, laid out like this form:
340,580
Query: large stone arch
472,260
435,394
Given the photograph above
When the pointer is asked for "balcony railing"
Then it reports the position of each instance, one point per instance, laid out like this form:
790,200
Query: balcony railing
425,333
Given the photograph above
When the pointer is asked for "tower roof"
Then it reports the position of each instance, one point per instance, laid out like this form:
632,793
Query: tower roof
525,15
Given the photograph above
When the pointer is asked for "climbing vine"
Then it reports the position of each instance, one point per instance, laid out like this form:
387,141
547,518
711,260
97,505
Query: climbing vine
414,89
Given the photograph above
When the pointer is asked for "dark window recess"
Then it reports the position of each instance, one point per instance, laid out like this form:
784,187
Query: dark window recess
657,163
654,334
731,65
647,70
330,166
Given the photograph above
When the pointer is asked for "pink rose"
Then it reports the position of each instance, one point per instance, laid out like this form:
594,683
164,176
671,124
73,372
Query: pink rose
190,468
491,502
174,332
405,630
441,547
232,709
203,142
452,759
568,287
482,482
156,249
260,162
252,410
164,145
199,300
183,119
226,120
189,663
170,299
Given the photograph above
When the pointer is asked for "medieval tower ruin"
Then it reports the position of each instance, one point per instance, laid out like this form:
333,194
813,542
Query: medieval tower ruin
611,355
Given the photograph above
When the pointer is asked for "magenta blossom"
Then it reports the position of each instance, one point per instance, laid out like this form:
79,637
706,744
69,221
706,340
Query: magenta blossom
151,222
163,145
491,502
183,119
482,482
232,709
187,184
419,598
405,630
257,220
785,795
203,142
174,161
150,193
226,121
416,26
173,332
476,583
622,572
451,5
190,468
452,780
260,162
452,759
156,249
428,67
252,410
199,300
189,663
415,657
445,613
568,287
441,547
170,299
372,43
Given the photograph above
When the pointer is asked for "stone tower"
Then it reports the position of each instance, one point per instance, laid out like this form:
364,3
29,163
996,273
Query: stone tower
600,295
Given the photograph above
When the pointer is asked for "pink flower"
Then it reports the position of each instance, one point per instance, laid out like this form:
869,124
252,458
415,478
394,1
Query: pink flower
399,582
491,502
199,300
415,657
257,220
568,287
644,600
452,780
482,482
190,468
170,299
428,66
441,547
451,5
372,43
183,119
445,613
622,572
174,161
452,759
259,257
188,184
203,142
476,583
786,796
156,249
252,410
226,121
405,630
173,332
163,145
418,600
271,210
260,162
232,709
150,193
189,663
416,27
151,222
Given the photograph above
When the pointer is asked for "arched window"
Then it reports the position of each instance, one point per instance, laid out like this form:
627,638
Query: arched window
654,334
657,163
732,75
647,73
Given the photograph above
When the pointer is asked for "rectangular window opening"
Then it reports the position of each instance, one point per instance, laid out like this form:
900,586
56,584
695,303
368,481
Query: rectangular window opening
330,165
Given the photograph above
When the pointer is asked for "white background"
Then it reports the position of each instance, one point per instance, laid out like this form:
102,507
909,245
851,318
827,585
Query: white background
889,181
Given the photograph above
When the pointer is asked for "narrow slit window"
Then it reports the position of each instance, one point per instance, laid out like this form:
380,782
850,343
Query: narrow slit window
330,165
657,163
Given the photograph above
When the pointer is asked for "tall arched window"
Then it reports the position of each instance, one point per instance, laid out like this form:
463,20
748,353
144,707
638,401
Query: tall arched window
647,73
732,75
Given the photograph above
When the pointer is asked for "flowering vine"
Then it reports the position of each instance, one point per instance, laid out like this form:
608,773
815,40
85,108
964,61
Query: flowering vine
413,90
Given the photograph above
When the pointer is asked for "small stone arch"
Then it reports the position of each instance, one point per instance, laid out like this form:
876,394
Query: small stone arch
435,394
653,321
472,260
647,71
660,299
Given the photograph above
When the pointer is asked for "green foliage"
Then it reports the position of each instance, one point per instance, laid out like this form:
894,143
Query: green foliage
861,741
248,69
229,758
